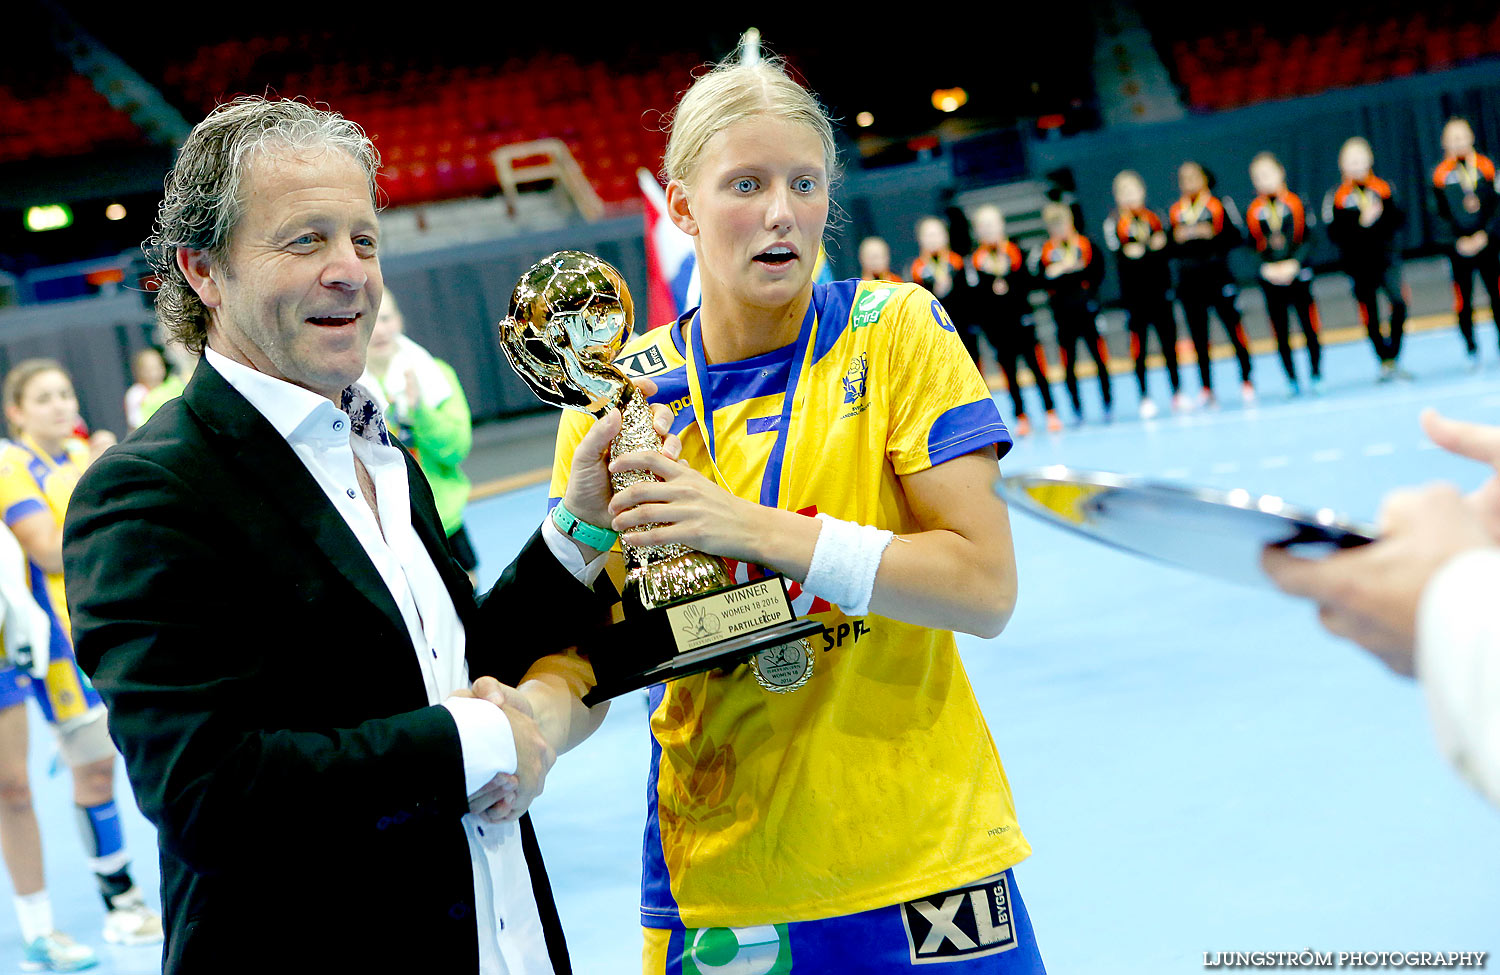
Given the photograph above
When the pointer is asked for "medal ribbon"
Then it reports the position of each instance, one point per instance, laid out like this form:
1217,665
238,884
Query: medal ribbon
700,392
1468,176
1274,216
1071,252
1192,210
36,451
1140,228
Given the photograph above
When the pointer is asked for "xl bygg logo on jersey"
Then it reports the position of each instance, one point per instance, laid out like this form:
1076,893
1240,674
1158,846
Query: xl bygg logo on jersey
647,362
969,922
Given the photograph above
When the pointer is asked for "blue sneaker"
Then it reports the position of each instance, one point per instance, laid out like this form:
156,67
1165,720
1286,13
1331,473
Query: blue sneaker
56,952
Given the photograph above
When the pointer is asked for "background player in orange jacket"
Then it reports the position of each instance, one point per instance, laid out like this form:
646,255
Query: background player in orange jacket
1205,228
1468,208
1002,308
1071,269
1362,217
875,260
1139,242
944,273
1278,224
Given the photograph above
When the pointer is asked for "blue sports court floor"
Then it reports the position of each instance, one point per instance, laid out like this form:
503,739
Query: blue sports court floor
1198,766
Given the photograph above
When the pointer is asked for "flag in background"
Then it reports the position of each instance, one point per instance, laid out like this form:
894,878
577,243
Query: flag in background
671,265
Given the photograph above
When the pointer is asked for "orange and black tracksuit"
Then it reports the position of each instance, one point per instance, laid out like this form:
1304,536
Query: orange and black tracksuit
1074,298
886,276
1139,243
1467,201
1370,255
1002,307
1204,280
1279,230
957,300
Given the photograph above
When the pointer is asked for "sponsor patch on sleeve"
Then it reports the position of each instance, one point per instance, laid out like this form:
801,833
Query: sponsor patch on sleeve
867,307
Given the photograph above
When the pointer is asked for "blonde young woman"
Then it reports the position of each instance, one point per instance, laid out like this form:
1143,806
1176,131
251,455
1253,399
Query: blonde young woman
38,471
840,435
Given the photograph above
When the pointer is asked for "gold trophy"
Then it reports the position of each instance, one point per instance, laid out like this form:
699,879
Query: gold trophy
570,315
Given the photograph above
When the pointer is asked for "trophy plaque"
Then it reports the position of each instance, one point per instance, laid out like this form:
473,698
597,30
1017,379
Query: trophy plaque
570,315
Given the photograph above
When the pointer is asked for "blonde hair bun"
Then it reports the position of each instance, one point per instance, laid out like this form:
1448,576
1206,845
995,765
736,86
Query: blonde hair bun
735,90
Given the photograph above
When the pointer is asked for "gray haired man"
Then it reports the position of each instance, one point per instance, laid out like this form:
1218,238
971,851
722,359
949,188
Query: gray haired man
262,593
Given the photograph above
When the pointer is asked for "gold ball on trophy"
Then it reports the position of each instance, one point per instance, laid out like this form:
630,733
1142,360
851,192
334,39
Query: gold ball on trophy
570,315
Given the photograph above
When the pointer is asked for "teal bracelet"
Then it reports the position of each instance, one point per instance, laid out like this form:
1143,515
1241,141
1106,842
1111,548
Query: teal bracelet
591,535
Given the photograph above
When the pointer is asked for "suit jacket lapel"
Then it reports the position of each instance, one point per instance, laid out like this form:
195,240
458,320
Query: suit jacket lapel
268,460
429,528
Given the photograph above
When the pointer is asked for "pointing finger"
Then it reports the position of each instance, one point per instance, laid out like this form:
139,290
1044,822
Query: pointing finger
1473,440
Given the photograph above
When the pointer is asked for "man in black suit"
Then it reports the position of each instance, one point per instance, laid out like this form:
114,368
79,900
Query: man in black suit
262,593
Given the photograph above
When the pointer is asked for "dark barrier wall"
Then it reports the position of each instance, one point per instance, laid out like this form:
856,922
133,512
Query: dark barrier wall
452,299
93,338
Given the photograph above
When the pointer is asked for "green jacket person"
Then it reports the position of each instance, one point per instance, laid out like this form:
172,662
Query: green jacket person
427,409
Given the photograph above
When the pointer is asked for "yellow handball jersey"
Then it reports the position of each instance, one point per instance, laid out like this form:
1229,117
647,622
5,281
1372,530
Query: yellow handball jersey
32,482
879,781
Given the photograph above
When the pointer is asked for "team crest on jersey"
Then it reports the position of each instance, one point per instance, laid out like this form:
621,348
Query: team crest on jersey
762,950
854,379
647,362
868,307
855,386
957,925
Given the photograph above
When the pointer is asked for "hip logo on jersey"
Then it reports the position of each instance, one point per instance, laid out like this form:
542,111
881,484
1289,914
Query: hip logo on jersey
761,950
647,362
969,922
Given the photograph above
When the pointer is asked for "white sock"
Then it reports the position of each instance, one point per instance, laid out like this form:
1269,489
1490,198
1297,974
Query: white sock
35,914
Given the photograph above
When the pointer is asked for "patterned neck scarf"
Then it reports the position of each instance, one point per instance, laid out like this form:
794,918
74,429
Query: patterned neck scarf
365,417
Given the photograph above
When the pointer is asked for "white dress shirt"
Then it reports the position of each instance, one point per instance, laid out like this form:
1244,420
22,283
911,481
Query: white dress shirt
327,439
1458,663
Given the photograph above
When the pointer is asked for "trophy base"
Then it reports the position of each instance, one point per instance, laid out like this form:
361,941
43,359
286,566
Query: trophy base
715,630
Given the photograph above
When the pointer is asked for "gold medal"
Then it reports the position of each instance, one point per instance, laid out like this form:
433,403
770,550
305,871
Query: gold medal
1471,202
783,668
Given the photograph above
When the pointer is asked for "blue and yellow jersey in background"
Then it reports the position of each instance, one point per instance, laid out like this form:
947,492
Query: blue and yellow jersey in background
31,482
879,781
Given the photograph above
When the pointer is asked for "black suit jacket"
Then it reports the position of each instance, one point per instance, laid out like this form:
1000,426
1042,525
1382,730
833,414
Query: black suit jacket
264,692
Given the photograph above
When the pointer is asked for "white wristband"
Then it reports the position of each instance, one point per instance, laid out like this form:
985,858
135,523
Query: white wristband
845,560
